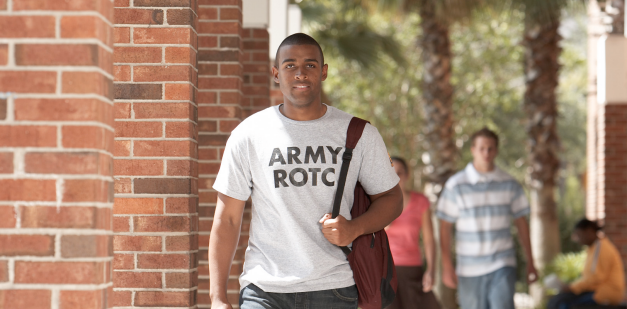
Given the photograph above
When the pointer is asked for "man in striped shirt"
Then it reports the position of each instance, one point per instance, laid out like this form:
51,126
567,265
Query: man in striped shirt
482,201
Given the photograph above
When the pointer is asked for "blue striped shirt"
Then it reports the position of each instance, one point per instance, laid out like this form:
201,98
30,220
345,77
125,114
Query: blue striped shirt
482,206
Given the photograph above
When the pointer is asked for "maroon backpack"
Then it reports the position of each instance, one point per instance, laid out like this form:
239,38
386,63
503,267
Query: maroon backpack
370,257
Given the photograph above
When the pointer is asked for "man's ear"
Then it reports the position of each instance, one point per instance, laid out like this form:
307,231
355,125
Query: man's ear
275,74
325,67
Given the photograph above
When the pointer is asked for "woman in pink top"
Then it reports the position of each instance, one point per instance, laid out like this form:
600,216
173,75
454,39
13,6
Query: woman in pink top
414,283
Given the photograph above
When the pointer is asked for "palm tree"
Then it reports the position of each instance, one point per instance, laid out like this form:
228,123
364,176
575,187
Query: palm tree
437,92
616,12
541,42
541,68
436,17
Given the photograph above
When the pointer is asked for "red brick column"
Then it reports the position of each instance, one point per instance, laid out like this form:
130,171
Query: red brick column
276,96
256,87
56,134
612,175
155,211
219,111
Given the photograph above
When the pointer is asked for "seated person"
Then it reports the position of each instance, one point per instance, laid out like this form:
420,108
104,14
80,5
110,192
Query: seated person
603,279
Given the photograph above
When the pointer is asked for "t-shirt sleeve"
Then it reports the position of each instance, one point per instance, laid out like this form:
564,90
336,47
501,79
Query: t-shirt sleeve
377,174
520,204
234,178
448,210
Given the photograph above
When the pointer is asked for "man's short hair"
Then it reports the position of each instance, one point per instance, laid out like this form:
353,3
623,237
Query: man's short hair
484,132
585,224
298,39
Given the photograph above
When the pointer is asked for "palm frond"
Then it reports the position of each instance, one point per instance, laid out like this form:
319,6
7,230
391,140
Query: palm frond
448,11
545,12
343,30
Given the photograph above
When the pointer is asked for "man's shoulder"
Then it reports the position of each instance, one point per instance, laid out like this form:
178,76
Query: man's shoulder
607,244
340,115
459,178
266,114
504,176
256,121
343,118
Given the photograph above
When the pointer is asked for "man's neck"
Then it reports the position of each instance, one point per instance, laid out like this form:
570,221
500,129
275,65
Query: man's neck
310,112
483,168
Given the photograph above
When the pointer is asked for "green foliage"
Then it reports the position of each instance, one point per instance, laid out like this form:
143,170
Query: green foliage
571,124
489,86
389,96
344,30
567,266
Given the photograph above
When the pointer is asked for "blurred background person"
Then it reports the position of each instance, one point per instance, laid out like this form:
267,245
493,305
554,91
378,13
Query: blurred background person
603,278
414,281
481,201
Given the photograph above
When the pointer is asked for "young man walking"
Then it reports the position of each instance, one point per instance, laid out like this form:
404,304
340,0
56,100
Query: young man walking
482,201
288,158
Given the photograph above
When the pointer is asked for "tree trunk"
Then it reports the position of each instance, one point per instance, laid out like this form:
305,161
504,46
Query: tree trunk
541,42
438,94
438,114
615,10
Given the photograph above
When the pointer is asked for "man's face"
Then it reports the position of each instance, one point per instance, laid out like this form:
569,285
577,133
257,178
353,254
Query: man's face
484,150
300,73
584,236
402,174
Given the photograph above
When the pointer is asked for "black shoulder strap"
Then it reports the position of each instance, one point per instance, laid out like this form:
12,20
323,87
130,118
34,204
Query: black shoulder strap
353,134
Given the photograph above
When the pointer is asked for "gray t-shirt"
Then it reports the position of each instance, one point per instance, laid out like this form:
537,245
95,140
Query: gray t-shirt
291,169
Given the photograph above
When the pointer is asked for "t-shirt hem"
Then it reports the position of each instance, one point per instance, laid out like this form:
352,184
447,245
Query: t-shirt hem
231,193
299,288
386,190
522,213
445,217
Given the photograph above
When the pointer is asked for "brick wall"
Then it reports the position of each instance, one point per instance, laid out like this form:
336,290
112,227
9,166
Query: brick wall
612,172
156,156
185,74
276,96
56,132
256,61
219,112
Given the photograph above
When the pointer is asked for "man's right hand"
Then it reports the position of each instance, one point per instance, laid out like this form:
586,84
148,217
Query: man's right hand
449,278
227,222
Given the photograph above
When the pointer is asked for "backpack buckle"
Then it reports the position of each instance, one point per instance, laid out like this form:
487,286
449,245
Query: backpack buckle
348,155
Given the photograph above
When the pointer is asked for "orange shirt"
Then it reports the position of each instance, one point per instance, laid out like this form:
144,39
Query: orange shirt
404,232
607,278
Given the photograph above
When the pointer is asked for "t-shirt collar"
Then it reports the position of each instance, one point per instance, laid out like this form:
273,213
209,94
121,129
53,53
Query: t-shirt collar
476,177
309,122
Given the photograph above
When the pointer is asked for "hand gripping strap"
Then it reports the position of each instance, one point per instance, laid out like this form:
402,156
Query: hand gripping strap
353,134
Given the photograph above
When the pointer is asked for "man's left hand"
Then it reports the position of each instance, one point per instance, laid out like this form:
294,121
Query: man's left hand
566,289
532,273
338,231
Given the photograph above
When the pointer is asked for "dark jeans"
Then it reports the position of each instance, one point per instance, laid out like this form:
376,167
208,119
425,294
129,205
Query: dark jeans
252,297
568,300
